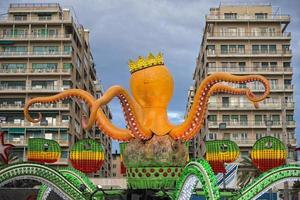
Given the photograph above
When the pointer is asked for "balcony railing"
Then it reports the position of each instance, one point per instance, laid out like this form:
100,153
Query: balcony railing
29,124
249,35
34,71
249,124
250,69
247,53
18,106
35,19
248,17
274,105
35,54
34,37
21,142
37,88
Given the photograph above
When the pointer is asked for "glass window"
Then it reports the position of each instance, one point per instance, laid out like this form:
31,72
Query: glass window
230,15
241,49
289,117
225,118
272,49
244,119
287,83
286,64
224,49
264,49
255,49
285,48
67,49
234,118
244,136
43,17
232,49
261,15
210,49
212,118
20,17
273,65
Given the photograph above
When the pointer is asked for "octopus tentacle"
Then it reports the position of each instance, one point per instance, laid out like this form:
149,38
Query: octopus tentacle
130,109
89,99
103,123
194,122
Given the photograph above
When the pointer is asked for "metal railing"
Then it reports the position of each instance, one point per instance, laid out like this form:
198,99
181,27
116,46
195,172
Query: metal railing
247,52
32,36
35,71
30,53
34,106
248,17
248,123
33,88
249,34
249,69
274,105
29,124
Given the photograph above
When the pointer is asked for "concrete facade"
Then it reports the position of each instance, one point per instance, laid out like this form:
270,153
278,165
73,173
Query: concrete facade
243,40
43,51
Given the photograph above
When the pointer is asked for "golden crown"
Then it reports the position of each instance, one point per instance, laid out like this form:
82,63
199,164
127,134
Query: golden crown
143,63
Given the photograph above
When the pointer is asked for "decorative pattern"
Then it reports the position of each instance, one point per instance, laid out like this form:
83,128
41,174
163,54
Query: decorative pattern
74,176
4,149
267,153
43,151
143,63
87,156
267,180
152,89
219,152
44,174
194,172
153,177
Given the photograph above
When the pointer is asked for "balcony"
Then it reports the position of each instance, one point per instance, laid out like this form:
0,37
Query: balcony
28,54
249,106
29,124
251,70
32,89
246,18
41,71
28,19
248,53
248,35
56,106
35,37
243,124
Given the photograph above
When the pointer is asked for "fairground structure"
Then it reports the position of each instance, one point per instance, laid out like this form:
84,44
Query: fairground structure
154,152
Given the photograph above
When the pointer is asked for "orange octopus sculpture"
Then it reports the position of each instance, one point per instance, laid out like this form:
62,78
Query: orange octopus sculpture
146,113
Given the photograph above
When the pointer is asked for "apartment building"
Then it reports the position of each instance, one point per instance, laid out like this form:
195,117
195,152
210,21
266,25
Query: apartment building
116,165
244,40
43,51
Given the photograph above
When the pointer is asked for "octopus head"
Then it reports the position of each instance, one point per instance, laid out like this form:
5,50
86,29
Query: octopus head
151,82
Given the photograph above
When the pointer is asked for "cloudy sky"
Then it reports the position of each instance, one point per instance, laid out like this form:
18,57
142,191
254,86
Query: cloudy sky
124,29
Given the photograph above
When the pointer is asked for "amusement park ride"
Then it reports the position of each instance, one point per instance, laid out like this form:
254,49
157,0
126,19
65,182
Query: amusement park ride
154,151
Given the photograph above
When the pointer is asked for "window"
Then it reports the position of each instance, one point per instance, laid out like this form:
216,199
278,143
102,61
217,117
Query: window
261,15
287,65
212,118
20,17
230,15
114,166
285,48
244,119
212,136
273,66
225,102
224,49
210,49
258,136
19,49
276,119
114,174
273,83
67,49
13,67
244,136
232,48
289,118
272,49
242,66
40,50
234,118
287,83
44,67
258,119
241,49
43,17
225,118
264,66
255,49
264,49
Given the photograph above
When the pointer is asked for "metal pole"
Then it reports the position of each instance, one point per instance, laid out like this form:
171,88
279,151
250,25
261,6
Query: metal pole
285,140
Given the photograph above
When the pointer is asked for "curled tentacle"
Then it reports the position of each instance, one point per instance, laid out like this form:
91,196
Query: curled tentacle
194,122
130,109
88,98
